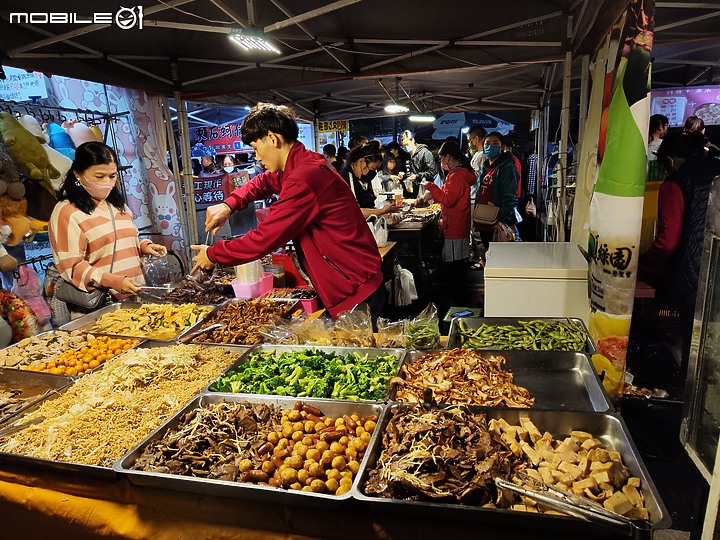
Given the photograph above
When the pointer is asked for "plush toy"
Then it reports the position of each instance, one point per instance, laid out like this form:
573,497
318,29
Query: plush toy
79,132
9,178
14,214
22,320
8,263
27,152
57,160
60,140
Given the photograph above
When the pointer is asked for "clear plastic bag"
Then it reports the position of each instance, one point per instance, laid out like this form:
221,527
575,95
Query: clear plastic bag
354,328
423,331
391,334
156,270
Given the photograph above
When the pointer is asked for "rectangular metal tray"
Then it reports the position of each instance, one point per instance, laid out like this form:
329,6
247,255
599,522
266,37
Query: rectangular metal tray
93,471
609,428
86,322
476,322
557,380
34,387
237,489
292,306
372,352
41,334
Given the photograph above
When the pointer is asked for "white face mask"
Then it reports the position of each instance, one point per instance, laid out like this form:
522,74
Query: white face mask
228,169
408,148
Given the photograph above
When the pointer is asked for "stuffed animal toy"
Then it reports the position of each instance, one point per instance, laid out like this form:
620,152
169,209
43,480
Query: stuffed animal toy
29,287
57,160
14,214
27,152
9,178
60,140
22,320
8,263
79,132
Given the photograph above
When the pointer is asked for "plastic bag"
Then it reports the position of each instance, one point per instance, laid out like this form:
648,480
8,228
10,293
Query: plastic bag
391,334
423,332
504,233
156,270
354,328
402,287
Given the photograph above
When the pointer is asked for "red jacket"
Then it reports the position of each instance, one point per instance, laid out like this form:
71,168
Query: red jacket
454,198
318,212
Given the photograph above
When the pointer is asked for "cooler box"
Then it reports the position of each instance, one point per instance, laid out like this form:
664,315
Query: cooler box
536,279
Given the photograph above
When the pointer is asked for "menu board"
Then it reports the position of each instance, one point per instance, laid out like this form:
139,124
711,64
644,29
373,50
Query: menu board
679,103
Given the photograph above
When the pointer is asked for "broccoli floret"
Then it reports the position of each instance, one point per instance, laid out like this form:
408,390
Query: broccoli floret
273,382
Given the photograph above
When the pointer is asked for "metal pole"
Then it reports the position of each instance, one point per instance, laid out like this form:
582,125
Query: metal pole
184,130
584,97
175,170
563,161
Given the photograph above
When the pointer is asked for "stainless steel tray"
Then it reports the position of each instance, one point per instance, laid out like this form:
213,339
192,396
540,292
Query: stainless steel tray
476,322
372,352
93,471
557,380
14,346
292,306
237,489
608,428
34,387
86,322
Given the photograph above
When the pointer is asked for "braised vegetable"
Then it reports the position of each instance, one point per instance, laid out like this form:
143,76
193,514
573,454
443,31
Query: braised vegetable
527,335
460,376
243,321
311,373
423,335
159,321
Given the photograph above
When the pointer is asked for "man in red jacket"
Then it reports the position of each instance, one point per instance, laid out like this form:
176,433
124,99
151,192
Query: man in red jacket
315,209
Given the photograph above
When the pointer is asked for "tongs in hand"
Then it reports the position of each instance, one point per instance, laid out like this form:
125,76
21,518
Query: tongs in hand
574,505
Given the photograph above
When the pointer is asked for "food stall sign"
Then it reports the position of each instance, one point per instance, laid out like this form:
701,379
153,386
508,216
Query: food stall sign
209,190
224,139
679,103
333,125
20,85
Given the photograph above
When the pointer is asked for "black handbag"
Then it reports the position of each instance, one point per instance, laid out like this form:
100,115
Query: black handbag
89,300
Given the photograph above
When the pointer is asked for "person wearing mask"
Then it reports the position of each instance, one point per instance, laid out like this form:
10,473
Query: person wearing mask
374,162
420,166
454,200
209,167
330,155
315,209
476,137
228,163
359,177
657,129
390,174
499,180
672,263
91,228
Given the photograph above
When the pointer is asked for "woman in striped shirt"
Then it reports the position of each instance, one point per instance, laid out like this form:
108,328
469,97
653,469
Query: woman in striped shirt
91,224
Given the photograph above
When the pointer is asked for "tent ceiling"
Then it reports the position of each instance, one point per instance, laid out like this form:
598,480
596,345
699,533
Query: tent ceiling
349,58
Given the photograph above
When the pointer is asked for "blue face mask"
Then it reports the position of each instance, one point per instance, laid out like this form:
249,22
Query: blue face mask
490,151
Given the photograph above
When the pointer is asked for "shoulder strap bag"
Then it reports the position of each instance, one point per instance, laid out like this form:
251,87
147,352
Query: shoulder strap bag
70,294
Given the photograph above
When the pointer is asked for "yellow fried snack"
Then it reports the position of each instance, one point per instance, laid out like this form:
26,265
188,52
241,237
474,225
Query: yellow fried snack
157,321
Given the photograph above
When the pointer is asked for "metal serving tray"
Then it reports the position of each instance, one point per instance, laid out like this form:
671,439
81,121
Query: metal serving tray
292,306
608,428
557,380
240,490
476,322
372,352
86,322
41,334
34,387
94,471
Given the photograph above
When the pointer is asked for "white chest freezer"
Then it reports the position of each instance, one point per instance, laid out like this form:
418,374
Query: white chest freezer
536,279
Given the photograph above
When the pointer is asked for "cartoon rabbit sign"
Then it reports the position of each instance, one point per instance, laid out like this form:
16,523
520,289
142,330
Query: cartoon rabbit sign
165,209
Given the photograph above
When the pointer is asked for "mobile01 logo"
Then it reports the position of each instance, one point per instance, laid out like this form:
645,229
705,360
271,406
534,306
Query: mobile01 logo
124,18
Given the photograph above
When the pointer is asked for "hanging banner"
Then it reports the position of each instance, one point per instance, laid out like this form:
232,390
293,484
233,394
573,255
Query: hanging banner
616,207
333,125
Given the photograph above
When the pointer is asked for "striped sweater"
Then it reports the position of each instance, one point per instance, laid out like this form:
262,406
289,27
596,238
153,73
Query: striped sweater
83,245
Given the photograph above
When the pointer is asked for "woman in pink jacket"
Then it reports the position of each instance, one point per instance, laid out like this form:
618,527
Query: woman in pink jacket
454,199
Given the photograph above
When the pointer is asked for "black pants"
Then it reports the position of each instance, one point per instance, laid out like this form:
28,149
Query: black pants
376,301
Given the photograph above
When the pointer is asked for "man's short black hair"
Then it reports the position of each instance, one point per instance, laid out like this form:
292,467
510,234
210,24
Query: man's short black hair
266,117
477,130
329,150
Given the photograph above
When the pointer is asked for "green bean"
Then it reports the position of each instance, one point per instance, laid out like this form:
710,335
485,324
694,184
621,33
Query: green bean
527,335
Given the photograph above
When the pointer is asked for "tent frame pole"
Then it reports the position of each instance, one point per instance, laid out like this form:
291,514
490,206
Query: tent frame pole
563,161
184,130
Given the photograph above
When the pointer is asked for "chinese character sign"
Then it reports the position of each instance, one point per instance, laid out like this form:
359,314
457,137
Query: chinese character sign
679,103
19,85
616,206
209,190
224,139
333,125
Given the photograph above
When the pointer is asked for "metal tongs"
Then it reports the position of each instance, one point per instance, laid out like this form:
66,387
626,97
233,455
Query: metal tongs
192,335
576,506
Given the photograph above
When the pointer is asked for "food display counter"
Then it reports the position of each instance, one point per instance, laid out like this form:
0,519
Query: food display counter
304,464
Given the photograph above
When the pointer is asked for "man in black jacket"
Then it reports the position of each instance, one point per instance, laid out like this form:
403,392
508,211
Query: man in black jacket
420,166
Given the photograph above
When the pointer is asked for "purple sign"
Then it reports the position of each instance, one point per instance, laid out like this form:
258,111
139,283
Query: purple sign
679,103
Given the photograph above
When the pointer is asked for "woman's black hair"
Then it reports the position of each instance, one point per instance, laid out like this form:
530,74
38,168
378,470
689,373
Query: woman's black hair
682,144
86,155
452,149
389,156
266,117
